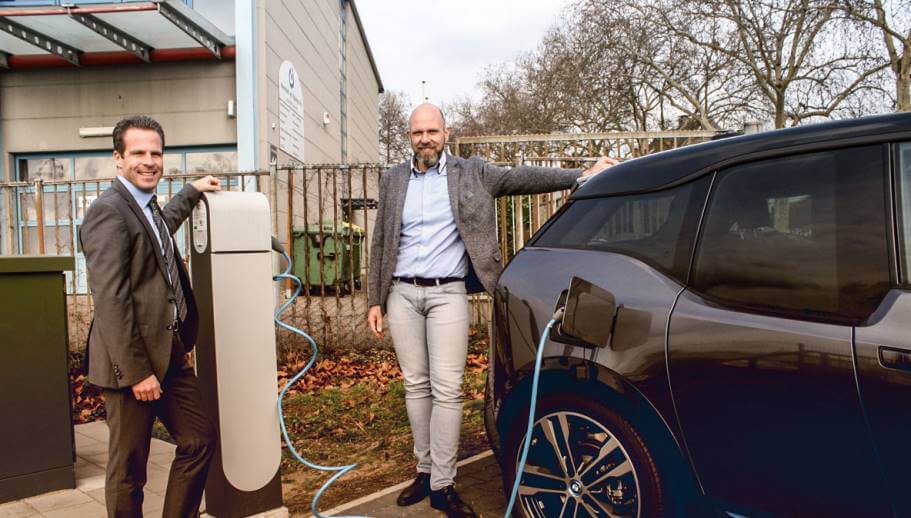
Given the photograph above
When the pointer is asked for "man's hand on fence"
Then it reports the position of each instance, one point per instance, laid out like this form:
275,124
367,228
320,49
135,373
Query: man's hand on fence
207,184
375,320
602,164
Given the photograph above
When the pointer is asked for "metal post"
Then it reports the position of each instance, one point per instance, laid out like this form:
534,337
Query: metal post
39,213
273,186
289,235
56,223
307,245
322,265
365,270
10,218
335,256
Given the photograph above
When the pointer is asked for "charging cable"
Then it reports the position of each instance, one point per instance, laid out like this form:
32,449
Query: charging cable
520,468
341,470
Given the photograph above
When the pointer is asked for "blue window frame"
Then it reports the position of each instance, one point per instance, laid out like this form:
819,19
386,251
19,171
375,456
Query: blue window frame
89,174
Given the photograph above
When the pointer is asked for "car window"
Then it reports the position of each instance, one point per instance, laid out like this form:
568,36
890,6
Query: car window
904,209
804,235
658,227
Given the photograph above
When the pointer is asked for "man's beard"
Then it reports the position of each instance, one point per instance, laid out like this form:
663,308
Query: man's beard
429,162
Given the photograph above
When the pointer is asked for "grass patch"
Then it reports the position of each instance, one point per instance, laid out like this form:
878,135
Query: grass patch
365,424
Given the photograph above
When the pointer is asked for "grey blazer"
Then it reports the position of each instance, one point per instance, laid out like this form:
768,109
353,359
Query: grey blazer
473,185
132,333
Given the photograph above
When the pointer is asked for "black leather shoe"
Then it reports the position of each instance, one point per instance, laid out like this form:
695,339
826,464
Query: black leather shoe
448,501
417,491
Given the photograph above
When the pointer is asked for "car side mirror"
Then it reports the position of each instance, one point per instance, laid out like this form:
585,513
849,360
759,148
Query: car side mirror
588,317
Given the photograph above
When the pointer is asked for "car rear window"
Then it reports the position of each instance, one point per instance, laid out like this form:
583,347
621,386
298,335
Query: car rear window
657,227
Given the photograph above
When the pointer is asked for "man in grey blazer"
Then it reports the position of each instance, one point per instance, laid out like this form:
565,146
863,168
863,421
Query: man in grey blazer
144,325
435,241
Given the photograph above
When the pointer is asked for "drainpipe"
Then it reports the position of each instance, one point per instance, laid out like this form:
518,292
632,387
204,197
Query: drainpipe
245,63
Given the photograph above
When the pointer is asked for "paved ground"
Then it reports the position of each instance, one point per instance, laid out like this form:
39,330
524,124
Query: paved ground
478,482
87,500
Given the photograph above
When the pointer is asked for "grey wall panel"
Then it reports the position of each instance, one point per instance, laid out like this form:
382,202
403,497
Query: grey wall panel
306,34
42,110
363,112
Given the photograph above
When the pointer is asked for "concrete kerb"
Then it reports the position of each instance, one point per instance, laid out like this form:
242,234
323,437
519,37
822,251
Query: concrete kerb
394,489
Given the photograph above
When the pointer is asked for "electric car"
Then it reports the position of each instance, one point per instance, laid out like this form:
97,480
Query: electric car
736,338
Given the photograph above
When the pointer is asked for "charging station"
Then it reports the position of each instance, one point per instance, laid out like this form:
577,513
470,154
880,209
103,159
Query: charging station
235,351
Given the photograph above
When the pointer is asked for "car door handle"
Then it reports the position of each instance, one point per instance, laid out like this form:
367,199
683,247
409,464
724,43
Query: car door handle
895,358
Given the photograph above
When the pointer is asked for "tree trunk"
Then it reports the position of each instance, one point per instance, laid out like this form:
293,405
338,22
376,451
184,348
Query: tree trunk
903,82
780,115
903,94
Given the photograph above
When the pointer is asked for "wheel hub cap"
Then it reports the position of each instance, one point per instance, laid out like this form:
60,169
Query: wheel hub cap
575,488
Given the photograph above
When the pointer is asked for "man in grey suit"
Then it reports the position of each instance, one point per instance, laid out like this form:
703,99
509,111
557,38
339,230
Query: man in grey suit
435,234
144,325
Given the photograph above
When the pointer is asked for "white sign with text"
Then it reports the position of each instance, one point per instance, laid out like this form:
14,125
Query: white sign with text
290,112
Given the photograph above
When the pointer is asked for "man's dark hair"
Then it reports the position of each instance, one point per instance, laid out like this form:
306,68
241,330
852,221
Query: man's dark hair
139,122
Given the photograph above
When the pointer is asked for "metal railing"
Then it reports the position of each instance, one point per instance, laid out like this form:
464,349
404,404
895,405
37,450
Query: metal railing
324,214
618,144
44,217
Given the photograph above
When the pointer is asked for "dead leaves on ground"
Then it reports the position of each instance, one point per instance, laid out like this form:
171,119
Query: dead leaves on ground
344,372
87,400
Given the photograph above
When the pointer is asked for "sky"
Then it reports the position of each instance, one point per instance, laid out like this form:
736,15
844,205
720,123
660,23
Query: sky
448,43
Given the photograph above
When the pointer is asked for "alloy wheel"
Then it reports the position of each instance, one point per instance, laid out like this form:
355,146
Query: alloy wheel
577,468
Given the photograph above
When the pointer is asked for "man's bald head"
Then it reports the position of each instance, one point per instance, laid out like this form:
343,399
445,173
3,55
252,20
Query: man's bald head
428,133
425,111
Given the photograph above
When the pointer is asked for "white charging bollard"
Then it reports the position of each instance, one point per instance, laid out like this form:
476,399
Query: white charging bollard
235,351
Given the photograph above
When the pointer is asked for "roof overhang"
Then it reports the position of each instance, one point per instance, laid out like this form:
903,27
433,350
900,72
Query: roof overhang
105,34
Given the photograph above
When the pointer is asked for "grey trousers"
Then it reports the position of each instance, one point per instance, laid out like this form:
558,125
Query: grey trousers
429,328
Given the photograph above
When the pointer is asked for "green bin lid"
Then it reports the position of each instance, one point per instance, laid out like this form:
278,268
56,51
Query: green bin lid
329,227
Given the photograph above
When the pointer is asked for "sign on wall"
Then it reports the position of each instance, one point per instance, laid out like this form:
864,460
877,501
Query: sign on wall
290,112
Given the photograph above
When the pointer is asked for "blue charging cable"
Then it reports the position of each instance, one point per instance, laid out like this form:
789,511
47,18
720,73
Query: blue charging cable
520,468
341,470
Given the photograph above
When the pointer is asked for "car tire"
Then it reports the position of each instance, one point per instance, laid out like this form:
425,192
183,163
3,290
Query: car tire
625,481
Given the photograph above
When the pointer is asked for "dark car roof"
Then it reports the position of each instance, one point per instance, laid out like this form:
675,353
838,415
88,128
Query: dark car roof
678,165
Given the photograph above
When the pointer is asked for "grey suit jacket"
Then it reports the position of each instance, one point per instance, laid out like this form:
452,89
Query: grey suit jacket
474,186
132,334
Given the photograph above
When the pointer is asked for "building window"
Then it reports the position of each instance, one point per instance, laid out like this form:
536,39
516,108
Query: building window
211,162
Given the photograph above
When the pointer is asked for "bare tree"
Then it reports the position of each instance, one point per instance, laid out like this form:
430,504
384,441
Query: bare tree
693,64
680,79
565,84
893,20
394,108
803,61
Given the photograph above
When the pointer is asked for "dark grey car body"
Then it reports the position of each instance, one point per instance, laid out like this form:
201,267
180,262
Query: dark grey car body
762,345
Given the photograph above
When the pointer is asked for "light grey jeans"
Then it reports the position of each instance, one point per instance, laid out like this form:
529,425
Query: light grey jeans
429,328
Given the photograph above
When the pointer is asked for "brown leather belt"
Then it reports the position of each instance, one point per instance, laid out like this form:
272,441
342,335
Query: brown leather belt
427,282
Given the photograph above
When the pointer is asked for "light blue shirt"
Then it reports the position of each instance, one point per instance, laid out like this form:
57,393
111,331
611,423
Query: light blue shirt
142,199
430,245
